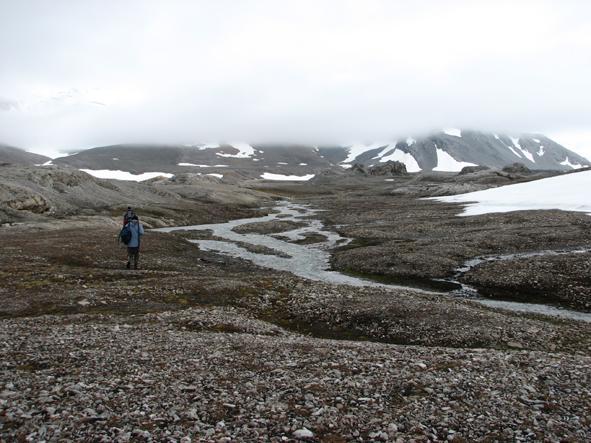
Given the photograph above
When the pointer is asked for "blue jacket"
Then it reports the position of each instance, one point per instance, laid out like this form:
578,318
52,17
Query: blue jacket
136,230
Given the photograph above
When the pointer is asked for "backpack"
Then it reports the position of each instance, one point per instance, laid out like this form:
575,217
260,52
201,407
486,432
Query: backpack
125,234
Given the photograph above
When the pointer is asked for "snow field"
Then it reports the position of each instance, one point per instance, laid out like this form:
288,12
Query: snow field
567,192
446,163
280,177
124,175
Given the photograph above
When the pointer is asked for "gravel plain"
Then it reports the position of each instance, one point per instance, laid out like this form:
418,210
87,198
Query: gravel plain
195,346
177,377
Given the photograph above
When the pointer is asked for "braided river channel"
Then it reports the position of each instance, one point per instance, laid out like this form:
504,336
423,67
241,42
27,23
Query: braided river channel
312,261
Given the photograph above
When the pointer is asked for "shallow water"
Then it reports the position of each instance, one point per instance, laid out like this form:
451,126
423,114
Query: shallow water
312,261
308,261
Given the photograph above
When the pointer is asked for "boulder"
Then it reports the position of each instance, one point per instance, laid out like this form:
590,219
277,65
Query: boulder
389,168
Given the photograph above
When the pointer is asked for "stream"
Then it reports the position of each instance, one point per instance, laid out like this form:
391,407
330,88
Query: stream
312,261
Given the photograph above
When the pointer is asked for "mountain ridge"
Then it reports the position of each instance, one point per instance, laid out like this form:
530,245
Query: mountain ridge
447,150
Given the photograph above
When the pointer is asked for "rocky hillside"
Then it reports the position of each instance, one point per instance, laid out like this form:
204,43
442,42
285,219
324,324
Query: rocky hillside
37,193
243,159
15,156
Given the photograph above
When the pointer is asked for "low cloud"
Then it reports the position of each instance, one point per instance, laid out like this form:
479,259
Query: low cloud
306,71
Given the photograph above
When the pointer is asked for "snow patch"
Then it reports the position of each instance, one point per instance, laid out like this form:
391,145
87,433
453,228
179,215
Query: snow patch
541,151
303,164
536,140
403,157
410,141
202,166
115,158
208,146
282,163
48,163
216,175
387,150
529,155
515,142
357,149
525,152
447,163
508,146
453,132
567,192
512,149
566,162
124,175
203,146
244,151
279,177
192,164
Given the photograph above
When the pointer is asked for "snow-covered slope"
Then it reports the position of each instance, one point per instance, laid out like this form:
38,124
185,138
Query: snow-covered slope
567,192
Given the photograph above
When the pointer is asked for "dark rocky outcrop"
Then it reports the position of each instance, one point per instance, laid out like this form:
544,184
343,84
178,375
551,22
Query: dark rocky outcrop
517,168
472,169
389,168
358,169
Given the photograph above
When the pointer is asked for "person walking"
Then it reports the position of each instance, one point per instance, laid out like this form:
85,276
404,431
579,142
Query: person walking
133,247
128,215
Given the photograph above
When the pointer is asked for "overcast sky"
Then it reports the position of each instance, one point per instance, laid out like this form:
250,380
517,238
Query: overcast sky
76,74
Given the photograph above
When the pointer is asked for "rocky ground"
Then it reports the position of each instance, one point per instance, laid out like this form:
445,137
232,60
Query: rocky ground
197,346
175,377
563,279
41,194
402,239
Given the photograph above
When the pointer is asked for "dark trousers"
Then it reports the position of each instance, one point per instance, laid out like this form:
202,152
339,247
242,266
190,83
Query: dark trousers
133,255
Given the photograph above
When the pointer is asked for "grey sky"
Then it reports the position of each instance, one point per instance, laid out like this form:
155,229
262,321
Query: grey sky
85,73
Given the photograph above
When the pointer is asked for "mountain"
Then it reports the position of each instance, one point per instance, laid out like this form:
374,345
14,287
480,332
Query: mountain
204,159
452,149
16,156
448,150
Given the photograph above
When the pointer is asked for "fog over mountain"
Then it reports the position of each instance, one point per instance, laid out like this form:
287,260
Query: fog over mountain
80,74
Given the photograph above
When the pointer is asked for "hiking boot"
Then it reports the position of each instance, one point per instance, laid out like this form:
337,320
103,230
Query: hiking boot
128,265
